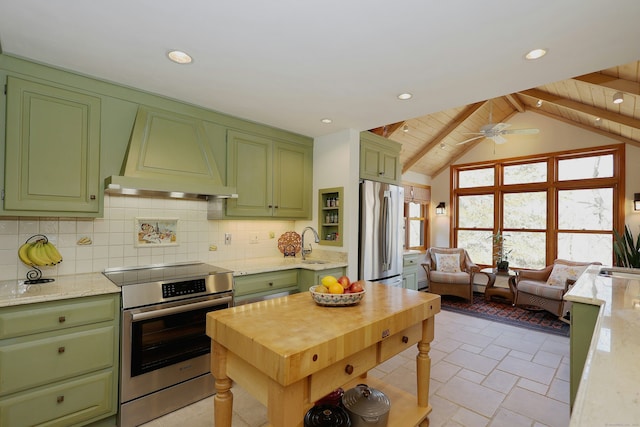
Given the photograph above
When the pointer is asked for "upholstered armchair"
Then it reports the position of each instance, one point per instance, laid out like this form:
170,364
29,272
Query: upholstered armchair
450,271
545,288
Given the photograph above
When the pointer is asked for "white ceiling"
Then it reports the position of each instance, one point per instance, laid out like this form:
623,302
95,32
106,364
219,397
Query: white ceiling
290,63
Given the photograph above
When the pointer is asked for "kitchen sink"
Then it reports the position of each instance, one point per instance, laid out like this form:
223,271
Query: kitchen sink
313,261
621,272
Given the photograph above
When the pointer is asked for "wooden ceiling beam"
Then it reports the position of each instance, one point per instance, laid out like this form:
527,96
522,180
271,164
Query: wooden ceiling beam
582,108
587,127
515,102
459,120
387,130
610,82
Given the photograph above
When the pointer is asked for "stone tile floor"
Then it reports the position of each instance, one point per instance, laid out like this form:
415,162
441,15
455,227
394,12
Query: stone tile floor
483,373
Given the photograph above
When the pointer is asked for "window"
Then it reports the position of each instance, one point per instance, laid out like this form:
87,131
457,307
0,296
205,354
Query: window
416,213
558,205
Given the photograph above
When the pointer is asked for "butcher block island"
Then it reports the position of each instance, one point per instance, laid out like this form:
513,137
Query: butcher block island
289,352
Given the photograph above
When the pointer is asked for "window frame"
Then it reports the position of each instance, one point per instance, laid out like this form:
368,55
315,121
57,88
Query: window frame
552,186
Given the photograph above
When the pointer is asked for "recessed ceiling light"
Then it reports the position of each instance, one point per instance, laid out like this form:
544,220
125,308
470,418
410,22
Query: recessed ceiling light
405,128
617,98
179,57
326,120
539,103
405,96
536,53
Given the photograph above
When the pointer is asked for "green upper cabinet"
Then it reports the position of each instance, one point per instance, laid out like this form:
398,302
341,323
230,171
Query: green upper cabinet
52,164
379,159
273,178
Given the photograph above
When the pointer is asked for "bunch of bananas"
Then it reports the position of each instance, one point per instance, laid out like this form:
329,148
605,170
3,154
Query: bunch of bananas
39,253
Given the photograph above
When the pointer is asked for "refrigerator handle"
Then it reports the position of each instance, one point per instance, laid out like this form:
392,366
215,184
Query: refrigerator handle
386,213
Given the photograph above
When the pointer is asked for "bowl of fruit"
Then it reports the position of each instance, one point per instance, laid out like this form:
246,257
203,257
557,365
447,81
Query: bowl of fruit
341,292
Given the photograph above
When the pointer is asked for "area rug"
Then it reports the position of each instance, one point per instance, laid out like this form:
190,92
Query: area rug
504,312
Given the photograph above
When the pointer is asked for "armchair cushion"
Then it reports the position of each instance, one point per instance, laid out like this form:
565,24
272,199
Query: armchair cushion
459,278
540,289
448,263
562,272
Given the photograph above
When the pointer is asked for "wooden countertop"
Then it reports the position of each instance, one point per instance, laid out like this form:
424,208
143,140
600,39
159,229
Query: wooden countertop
289,338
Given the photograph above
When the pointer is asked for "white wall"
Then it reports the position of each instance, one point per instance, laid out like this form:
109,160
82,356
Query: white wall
554,136
336,164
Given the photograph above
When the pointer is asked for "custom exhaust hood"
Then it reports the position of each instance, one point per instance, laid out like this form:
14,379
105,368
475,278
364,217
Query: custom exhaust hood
169,155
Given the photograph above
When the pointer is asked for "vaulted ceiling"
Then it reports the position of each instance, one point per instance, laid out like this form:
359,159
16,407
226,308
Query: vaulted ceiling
431,143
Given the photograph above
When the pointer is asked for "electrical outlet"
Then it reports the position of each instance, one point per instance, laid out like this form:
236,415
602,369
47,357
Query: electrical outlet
227,238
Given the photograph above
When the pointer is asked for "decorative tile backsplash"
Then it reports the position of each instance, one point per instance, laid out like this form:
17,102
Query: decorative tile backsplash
112,238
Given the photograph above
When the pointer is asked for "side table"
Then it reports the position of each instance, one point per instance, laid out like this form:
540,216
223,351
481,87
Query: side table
491,290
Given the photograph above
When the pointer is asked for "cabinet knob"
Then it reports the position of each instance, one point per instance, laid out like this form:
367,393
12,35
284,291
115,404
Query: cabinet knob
381,173
62,319
276,206
61,350
270,206
348,369
270,283
92,197
405,339
60,399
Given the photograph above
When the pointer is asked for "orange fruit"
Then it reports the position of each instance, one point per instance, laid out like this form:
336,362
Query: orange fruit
336,288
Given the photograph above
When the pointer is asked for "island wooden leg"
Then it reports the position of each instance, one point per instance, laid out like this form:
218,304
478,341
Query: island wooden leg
423,361
223,400
286,405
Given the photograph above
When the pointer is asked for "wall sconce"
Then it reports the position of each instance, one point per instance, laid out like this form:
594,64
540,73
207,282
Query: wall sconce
636,202
441,209
617,98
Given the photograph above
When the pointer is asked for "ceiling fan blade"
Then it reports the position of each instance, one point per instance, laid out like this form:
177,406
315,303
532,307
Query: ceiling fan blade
520,131
499,139
470,139
500,127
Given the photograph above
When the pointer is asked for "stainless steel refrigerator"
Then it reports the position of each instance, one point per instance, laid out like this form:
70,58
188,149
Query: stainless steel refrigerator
381,232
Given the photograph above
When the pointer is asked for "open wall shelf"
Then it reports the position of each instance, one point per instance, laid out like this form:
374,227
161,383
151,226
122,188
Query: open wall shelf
330,216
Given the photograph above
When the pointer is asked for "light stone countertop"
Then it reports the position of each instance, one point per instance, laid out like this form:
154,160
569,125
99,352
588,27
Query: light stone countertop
268,264
609,391
16,292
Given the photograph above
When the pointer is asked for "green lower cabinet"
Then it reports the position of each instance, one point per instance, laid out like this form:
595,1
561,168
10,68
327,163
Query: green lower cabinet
410,271
253,287
583,322
60,357
73,402
309,278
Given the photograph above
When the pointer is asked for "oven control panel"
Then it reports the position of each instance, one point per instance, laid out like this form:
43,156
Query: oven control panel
188,287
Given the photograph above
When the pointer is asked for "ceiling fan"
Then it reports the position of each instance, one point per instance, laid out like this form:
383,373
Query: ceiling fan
495,131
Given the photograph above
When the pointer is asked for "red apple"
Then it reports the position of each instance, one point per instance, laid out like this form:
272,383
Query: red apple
344,281
357,286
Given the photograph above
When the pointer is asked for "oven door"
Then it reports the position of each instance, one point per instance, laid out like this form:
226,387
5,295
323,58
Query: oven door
165,344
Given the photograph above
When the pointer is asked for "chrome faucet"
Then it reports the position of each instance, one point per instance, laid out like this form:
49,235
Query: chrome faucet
304,251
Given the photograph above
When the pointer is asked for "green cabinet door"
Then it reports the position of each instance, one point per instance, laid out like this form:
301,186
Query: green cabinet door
583,322
52,150
309,278
272,178
292,181
379,159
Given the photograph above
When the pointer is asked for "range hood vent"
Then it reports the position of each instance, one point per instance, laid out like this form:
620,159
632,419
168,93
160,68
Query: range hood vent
169,155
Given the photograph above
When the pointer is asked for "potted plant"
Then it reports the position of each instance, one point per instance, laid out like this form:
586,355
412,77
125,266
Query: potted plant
500,253
626,251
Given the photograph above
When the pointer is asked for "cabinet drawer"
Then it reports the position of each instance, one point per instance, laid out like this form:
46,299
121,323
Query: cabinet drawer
29,363
411,261
399,342
62,404
326,380
51,316
253,283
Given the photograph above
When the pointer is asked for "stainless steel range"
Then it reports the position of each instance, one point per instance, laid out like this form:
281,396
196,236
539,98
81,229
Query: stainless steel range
164,359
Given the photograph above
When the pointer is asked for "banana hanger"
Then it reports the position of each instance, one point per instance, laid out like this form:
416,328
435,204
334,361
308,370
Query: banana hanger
38,252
